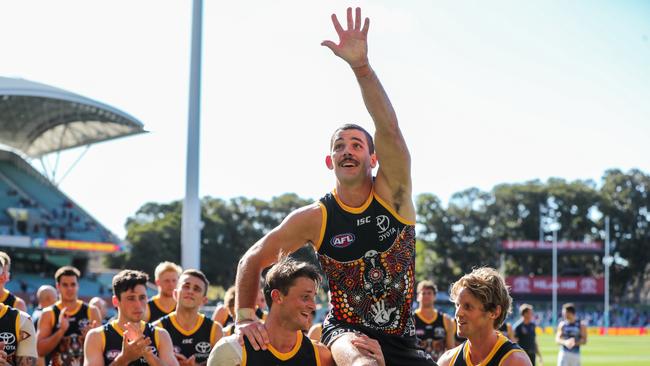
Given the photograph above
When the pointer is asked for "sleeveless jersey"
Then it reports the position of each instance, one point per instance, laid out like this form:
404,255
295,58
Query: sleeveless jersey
571,330
501,350
155,311
304,353
368,255
112,335
70,348
197,341
8,298
9,330
431,333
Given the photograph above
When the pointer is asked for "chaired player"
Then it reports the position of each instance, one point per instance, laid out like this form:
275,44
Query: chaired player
364,230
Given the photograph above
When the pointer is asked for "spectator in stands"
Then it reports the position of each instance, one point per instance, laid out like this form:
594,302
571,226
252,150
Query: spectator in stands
571,334
7,297
63,326
434,329
525,334
482,304
128,339
102,306
163,303
290,290
18,331
193,334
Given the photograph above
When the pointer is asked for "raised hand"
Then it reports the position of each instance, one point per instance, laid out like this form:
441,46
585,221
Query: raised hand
64,323
353,41
134,344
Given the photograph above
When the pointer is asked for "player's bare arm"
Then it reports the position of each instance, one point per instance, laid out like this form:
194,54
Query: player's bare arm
517,359
393,182
93,349
165,351
297,229
446,357
47,339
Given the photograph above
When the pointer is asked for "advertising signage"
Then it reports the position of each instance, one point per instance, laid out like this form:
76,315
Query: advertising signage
542,285
532,245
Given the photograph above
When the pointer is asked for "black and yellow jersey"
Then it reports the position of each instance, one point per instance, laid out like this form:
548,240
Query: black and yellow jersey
112,335
196,342
10,330
431,333
368,255
304,353
70,349
155,309
501,350
8,298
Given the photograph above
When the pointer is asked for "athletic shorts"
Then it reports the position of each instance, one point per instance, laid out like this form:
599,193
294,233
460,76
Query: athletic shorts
397,350
568,358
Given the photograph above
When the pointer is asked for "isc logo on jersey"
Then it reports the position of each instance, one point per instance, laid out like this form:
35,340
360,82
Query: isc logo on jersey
342,240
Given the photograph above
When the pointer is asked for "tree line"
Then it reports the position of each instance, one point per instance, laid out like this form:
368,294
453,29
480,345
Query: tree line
451,240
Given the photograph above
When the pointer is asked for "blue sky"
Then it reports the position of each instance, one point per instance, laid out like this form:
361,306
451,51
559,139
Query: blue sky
486,92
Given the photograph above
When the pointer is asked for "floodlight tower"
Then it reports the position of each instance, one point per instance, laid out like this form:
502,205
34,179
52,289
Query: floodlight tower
191,222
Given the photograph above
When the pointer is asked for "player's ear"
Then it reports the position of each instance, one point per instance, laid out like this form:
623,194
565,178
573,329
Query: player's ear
329,163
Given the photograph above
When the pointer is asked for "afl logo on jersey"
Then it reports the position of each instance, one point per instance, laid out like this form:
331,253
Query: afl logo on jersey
342,240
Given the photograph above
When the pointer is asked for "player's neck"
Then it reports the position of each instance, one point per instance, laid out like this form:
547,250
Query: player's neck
281,336
167,302
71,304
187,317
354,195
481,344
427,311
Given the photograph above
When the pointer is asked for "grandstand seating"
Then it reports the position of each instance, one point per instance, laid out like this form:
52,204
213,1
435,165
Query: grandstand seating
52,214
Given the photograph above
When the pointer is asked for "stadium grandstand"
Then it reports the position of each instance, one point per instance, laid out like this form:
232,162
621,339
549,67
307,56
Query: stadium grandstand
41,227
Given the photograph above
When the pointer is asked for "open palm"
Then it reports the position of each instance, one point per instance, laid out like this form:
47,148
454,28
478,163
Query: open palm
353,41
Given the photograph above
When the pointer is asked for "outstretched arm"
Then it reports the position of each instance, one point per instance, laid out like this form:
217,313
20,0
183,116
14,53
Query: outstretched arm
393,181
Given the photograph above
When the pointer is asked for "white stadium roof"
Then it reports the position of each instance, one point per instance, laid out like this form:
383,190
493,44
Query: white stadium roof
38,119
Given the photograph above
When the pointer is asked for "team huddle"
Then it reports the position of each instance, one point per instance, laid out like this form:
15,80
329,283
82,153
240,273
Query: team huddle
364,234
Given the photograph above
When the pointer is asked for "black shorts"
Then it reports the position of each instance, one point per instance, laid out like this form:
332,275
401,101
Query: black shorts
397,350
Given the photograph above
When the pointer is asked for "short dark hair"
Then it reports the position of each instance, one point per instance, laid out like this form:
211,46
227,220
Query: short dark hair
200,275
127,280
283,275
66,271
352,126
569,307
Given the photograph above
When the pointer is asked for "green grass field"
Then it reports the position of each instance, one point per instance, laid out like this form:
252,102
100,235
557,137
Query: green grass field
603,350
